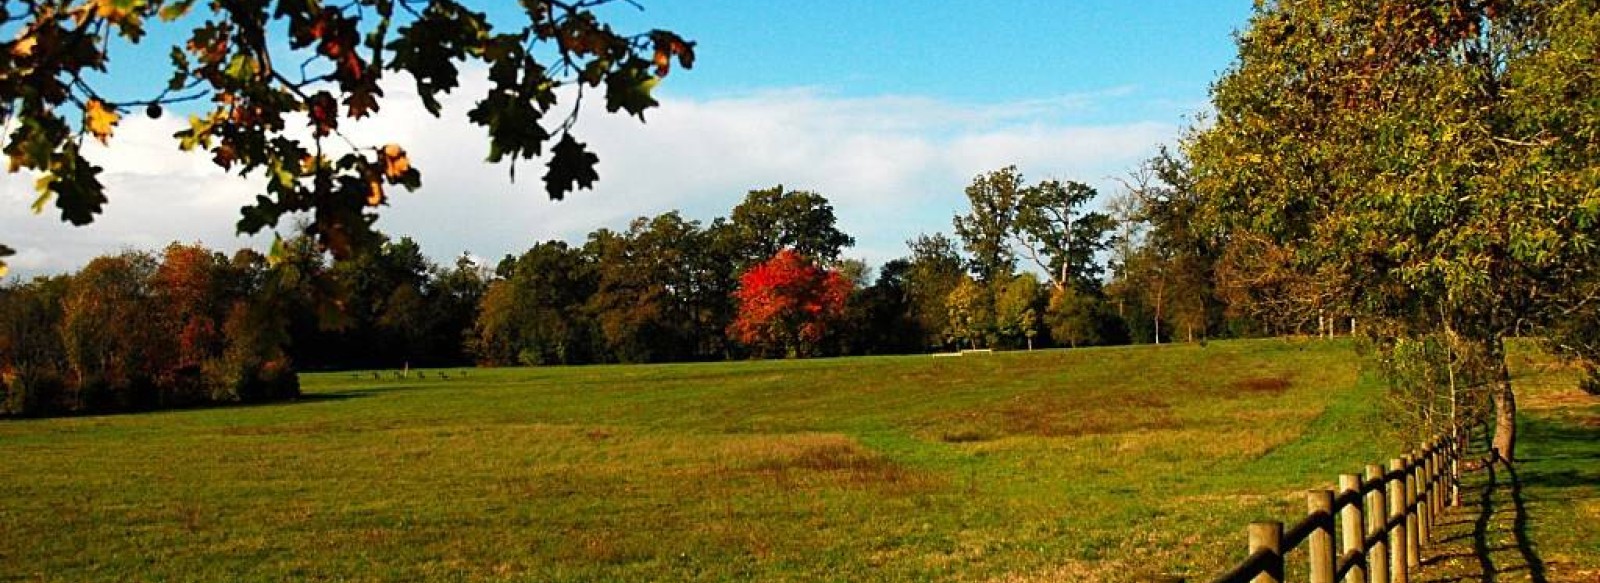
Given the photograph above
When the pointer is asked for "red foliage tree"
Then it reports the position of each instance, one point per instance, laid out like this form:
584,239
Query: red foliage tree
788,303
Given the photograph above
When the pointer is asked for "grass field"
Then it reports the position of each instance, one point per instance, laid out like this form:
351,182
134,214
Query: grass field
1089,464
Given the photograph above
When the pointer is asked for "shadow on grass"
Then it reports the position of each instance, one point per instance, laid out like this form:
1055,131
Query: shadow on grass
302,399
1563,455
1560,456
1519,529
1480,528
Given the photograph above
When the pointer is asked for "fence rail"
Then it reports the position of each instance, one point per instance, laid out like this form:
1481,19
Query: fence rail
1373,530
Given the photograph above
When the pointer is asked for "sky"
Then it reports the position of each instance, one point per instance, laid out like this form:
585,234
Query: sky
888,109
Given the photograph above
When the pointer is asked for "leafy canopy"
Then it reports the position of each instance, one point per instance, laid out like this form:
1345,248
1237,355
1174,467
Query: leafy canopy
1427,164
331,72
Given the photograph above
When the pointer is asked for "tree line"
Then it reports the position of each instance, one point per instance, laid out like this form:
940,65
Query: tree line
134,331
1028,266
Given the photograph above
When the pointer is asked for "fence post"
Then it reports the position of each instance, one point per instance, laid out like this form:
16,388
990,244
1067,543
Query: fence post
1352,536
1436,484
1320,503
1268,536
1424,498
1413,513
1458,450
1396,521
1377,510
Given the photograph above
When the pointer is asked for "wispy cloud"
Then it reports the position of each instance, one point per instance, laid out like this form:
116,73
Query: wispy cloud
893,166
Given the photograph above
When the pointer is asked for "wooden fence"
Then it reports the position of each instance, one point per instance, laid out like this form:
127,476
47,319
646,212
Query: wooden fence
1373,530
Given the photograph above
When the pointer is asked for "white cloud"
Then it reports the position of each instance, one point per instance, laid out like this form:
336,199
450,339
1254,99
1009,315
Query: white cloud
892,166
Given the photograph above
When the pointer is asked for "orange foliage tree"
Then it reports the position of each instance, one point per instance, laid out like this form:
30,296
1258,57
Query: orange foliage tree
788,303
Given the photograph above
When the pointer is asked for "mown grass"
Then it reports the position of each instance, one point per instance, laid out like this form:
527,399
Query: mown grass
1089,464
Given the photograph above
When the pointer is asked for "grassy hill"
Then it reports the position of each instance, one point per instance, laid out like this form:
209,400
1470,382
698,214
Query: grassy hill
1105,464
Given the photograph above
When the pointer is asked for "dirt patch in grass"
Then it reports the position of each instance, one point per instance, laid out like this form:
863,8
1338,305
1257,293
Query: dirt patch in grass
1053,416
606,547
824,459
281,429
1567,398
966,435
1260,386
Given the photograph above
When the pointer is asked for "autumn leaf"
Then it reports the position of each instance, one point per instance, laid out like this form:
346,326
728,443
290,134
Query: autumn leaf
24,46
362,102
629,89
571,167
99,118
395,162
116,11
663,62
374,191
5,252
324,113
72,182
176,10
668,45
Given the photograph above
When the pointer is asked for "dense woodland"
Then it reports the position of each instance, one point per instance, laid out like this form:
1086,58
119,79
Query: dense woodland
1029,266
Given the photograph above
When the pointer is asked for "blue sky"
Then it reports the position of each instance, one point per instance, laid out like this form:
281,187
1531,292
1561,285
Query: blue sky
887,108
975,51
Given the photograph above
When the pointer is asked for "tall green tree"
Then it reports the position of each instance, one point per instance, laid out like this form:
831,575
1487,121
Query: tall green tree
1017,310
1076,317
936,268
108,341
451,305
380,293
773,219
970,320
986,228
650,289
1061,238
32,357
536,312
882,316
1417,151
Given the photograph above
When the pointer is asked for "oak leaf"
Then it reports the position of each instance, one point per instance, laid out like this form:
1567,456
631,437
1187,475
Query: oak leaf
99,118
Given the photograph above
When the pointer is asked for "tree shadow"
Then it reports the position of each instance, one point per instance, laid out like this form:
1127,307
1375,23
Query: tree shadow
222,405
1559,463
1563,455
1519,529
1480,527
1560,445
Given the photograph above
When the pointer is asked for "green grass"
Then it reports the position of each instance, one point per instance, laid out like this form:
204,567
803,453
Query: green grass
1100,464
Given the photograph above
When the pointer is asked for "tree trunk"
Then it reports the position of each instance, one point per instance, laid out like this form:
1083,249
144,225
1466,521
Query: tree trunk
1505,415
1505,404
1160,291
